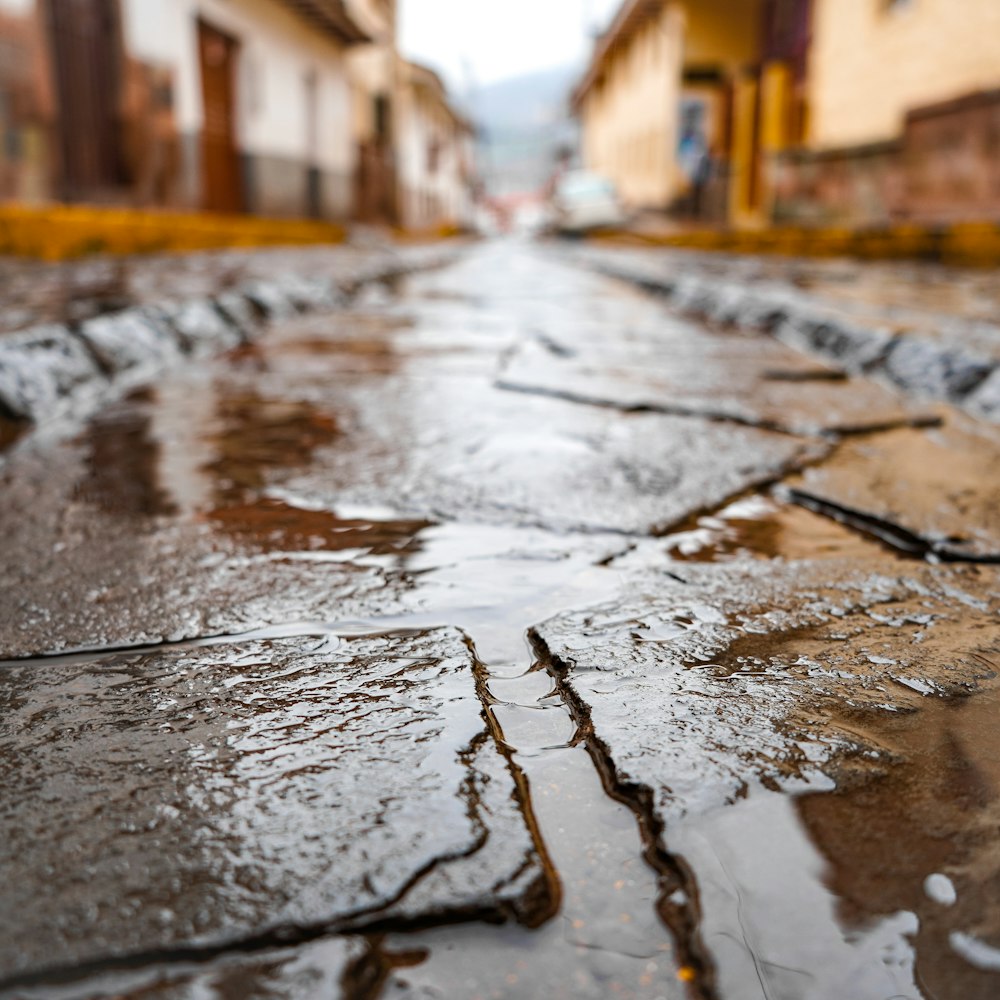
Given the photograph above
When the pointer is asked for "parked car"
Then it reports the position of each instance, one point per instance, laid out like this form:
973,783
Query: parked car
584,201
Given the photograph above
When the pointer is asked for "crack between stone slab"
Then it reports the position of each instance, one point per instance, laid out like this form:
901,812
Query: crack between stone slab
85,654
681,919
897,537
717,417
582,399
279,937
545,897
779,375
553,346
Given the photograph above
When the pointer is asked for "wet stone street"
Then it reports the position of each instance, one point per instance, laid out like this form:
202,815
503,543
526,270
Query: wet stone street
504,632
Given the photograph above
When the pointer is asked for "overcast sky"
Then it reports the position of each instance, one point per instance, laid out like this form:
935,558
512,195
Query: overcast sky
494,40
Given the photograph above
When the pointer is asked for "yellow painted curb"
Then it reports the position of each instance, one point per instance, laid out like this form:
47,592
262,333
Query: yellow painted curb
969,244
60,232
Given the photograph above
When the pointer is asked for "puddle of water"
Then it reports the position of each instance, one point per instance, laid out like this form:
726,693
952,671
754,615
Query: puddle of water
279,528
258,435
769,921
754,527
123,474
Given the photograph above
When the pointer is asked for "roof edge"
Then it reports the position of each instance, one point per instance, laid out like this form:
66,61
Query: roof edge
624,19
332,17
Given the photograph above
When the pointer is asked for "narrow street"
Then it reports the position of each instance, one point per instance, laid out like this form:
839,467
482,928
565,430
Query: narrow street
503,633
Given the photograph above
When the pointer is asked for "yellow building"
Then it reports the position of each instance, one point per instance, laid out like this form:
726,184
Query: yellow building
873,61
831,111
628,111
903,115
665,72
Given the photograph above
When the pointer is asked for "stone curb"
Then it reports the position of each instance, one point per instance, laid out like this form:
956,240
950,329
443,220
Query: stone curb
46,369
912,363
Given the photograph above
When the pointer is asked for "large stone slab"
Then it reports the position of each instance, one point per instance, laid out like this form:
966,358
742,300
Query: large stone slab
754,380
93,565
452,448
196,798
139,532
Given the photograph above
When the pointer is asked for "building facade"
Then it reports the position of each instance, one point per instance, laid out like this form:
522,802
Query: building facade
204,104
826,111
436,149
374,101
660,104
629,104
903,102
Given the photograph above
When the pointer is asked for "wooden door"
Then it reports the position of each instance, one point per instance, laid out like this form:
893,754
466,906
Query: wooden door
87,61
222,187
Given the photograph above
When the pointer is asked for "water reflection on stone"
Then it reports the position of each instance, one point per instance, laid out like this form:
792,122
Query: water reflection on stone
727,763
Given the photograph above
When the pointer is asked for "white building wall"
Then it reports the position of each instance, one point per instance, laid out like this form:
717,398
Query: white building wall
438,197
278,52
630,122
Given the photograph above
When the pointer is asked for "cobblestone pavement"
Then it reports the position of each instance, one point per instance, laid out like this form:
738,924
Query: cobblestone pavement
501,631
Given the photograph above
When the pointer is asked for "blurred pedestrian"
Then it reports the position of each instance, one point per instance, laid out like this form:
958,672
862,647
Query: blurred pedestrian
695,163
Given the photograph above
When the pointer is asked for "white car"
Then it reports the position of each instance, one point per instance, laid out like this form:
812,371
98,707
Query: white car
585,201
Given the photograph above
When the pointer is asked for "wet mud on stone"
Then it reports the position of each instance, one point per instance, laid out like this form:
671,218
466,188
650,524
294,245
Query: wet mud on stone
920,838
937,485
743,709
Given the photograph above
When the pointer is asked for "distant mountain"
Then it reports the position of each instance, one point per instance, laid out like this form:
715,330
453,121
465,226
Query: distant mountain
522,122
532,101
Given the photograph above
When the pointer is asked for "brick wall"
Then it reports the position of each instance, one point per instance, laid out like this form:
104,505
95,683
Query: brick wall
944,167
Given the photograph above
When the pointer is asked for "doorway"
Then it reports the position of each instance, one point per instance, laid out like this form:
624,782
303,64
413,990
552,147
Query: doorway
222,183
